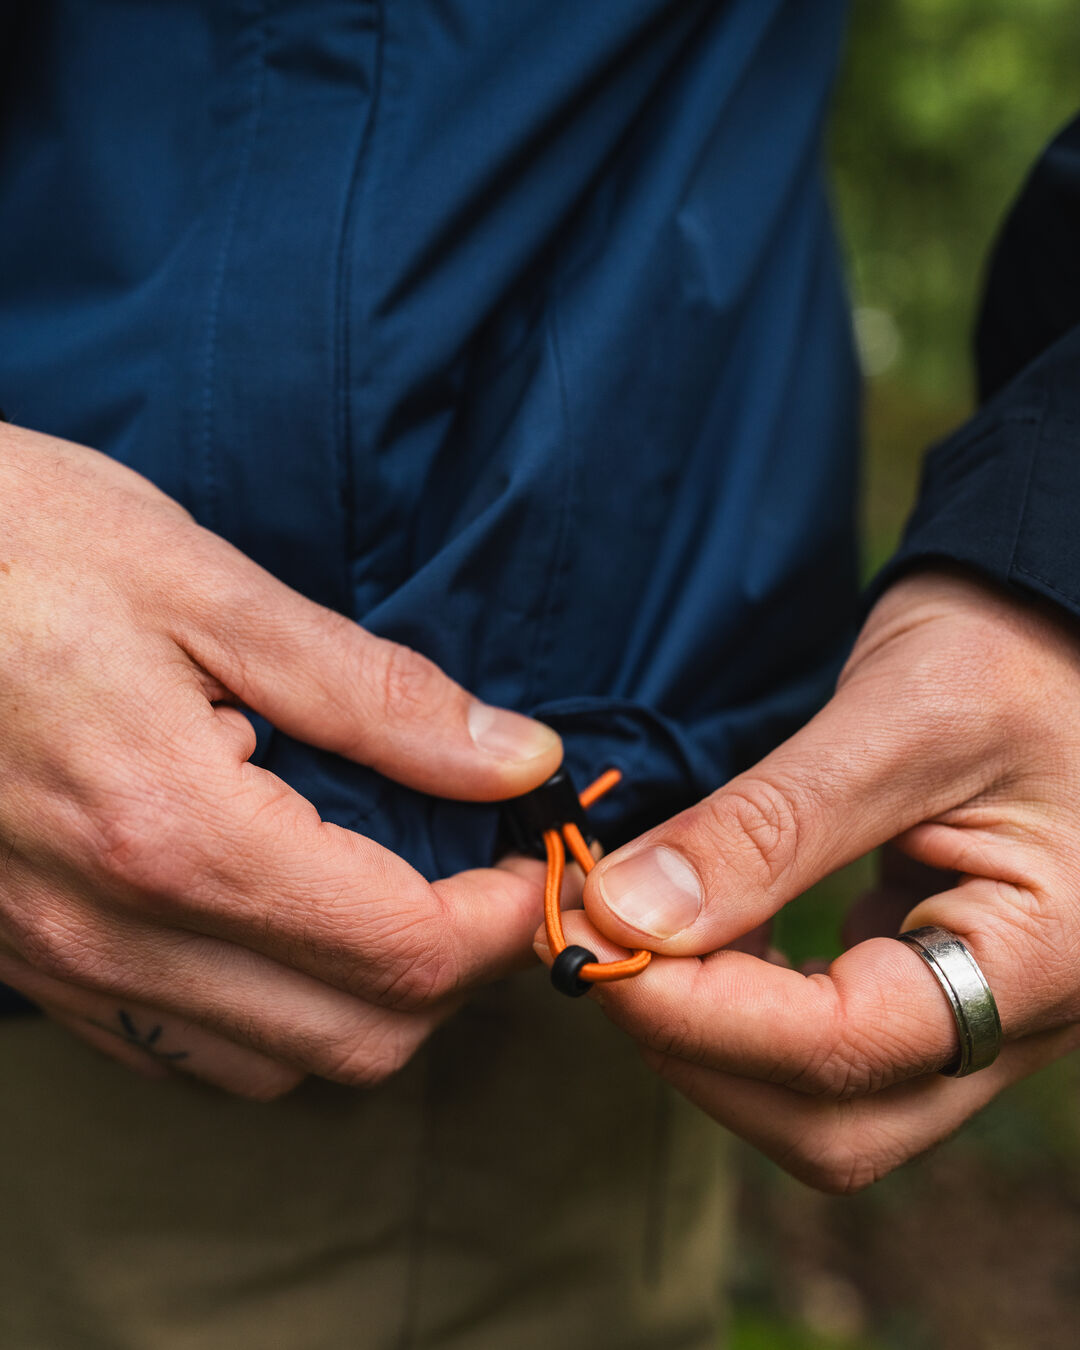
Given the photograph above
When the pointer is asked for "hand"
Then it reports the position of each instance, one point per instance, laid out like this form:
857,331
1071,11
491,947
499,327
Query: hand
158,893
954,732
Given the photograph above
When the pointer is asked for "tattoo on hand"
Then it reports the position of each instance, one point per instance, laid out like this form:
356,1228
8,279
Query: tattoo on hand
144,1040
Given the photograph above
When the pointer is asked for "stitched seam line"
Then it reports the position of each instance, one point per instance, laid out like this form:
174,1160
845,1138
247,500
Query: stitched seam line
345,271
256,82
544,645
1023,571
955,439
1033,421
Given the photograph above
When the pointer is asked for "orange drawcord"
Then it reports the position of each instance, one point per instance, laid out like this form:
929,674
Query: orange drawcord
608,779
556,842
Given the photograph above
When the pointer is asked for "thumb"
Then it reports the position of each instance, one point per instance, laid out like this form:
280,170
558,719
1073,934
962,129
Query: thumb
862,771
324,680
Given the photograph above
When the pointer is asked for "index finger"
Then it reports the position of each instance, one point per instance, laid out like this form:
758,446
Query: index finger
241,856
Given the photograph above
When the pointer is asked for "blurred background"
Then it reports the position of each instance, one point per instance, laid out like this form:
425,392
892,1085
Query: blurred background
941,110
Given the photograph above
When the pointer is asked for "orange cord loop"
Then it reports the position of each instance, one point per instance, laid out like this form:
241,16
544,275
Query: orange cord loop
575,969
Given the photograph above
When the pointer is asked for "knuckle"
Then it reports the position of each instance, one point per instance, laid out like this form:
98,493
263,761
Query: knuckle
819,1076
373,1059
140,845
831,1159
127,853
63,951
144,864
1030,926
838,1075
45,948
674,1037
421,967
340,642
856,1051
427,976
840,1172
765,818
409,685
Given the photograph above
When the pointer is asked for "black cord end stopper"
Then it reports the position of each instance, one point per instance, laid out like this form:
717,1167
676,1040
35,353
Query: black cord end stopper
565,968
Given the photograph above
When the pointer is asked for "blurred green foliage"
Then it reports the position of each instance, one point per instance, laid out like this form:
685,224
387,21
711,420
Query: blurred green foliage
942,108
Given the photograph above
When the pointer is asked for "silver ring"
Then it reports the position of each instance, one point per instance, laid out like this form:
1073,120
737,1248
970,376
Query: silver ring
971,999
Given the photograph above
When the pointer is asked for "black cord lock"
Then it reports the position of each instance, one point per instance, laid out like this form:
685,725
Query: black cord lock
549,807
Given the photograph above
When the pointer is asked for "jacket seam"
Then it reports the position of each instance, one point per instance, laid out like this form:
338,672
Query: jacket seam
543,646
1020,570
1036,420
210,480
344,273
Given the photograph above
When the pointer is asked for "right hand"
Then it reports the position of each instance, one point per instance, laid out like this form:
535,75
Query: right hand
160,895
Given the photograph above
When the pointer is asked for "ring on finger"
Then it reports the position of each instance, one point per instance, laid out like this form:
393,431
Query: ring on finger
970,997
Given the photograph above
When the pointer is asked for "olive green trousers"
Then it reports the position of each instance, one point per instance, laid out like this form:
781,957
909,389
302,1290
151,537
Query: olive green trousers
525,1182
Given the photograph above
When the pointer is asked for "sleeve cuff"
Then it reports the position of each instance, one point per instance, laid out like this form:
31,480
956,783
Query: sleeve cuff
1002,494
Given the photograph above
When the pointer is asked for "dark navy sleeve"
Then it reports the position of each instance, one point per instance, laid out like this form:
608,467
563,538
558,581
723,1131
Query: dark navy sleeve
1002,494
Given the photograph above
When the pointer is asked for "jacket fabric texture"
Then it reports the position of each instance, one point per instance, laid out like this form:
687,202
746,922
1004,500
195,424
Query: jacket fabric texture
517,332
514,331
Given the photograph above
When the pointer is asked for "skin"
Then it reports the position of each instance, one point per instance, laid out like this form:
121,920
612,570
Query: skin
162,897
187,912
953,736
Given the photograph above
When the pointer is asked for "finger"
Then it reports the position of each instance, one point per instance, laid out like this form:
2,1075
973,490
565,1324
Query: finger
151,1040
579,931
323,679
841,1147
492,914
106,1043
285,1016
233,852
534,874
146,1039
338,906
858,774
876,1018
235,732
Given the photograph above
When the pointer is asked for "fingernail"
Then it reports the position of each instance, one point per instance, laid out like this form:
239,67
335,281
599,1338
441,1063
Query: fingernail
655,891
508,735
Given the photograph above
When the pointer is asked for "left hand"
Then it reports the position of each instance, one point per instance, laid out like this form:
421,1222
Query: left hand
160,895
955,733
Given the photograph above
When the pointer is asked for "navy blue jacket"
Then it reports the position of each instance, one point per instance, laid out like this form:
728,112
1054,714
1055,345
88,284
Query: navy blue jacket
515,331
